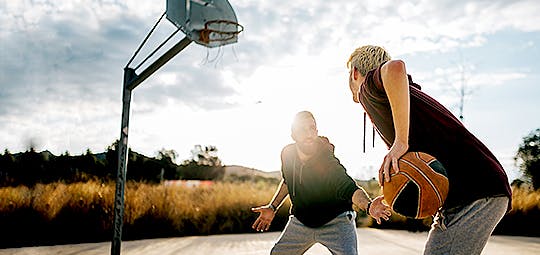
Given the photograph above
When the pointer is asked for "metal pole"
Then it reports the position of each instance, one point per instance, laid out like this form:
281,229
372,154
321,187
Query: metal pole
179,46
132,80
129,74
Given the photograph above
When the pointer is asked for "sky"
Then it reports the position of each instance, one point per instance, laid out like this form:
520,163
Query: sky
61,70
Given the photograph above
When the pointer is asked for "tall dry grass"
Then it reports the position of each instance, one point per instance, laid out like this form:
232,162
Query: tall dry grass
83,212
223,207
524,218
524,199
62,213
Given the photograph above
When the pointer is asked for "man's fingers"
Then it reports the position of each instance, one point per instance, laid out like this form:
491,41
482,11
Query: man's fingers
387,174
384,215
255,224
260,226
259,223
387,166
395,165
381,170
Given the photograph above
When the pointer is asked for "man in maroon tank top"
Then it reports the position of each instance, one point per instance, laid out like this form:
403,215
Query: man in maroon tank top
409,120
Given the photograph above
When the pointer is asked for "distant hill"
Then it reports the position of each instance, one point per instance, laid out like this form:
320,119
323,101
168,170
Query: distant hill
241,171
32,167
236,170
47,155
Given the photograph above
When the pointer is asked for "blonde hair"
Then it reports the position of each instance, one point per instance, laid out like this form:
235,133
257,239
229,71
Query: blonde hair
367,58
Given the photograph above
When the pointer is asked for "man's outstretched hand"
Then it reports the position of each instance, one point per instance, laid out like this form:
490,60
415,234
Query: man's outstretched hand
266,215
379,210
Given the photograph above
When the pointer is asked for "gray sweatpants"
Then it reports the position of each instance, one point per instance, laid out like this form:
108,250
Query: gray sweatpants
465,230
338,235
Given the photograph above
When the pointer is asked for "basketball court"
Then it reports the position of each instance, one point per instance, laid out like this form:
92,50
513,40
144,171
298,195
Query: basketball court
370,241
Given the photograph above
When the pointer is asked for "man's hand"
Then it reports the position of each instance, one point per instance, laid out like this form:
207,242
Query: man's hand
262,223
379,210
390,163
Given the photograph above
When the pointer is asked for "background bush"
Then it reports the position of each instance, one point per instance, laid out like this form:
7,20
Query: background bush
59,213
47,199
83,212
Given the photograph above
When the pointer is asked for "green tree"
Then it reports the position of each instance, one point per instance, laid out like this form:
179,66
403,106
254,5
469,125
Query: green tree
167,160
528,157
31,167
7,164
168,156
204,164
205,155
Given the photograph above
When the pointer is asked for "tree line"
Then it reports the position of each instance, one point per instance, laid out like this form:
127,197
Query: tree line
32,167
528,158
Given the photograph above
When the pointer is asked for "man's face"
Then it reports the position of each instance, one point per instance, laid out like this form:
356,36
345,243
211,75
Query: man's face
305,135
354,83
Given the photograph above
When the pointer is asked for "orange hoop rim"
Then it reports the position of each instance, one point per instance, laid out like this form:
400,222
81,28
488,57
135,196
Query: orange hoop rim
204,34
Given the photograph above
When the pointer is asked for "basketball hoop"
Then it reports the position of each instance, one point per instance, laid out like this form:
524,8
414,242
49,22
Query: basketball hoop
219,31
211,23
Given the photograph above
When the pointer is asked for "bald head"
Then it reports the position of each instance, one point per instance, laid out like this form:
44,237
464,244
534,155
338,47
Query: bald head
300,118
304,132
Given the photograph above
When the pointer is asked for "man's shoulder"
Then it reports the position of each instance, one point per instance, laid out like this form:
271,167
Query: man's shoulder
288,149
395,65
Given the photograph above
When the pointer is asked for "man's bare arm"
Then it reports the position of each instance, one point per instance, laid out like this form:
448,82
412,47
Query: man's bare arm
396,85
281,193
361,199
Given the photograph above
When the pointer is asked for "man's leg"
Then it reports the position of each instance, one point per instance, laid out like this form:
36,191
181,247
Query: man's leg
339,235
467,230
295,239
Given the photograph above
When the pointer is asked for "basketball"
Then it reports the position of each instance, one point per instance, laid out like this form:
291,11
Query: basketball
420,187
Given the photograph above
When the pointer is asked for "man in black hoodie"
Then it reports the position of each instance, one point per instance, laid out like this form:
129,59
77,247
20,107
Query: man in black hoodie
321,193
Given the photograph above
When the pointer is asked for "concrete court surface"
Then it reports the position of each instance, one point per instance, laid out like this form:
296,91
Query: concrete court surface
370,241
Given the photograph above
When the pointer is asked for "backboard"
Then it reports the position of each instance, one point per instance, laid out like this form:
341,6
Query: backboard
210,23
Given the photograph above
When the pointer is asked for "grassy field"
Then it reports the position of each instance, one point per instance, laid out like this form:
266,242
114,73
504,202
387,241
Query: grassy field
83,212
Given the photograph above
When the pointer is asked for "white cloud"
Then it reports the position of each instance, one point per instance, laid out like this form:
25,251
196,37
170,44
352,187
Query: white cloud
494,79
64,60
447,82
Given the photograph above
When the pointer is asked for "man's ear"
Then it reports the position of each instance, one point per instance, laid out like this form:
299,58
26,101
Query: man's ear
355,73
293,136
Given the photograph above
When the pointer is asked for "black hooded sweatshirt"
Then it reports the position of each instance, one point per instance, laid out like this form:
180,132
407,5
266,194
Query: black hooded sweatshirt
320,189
